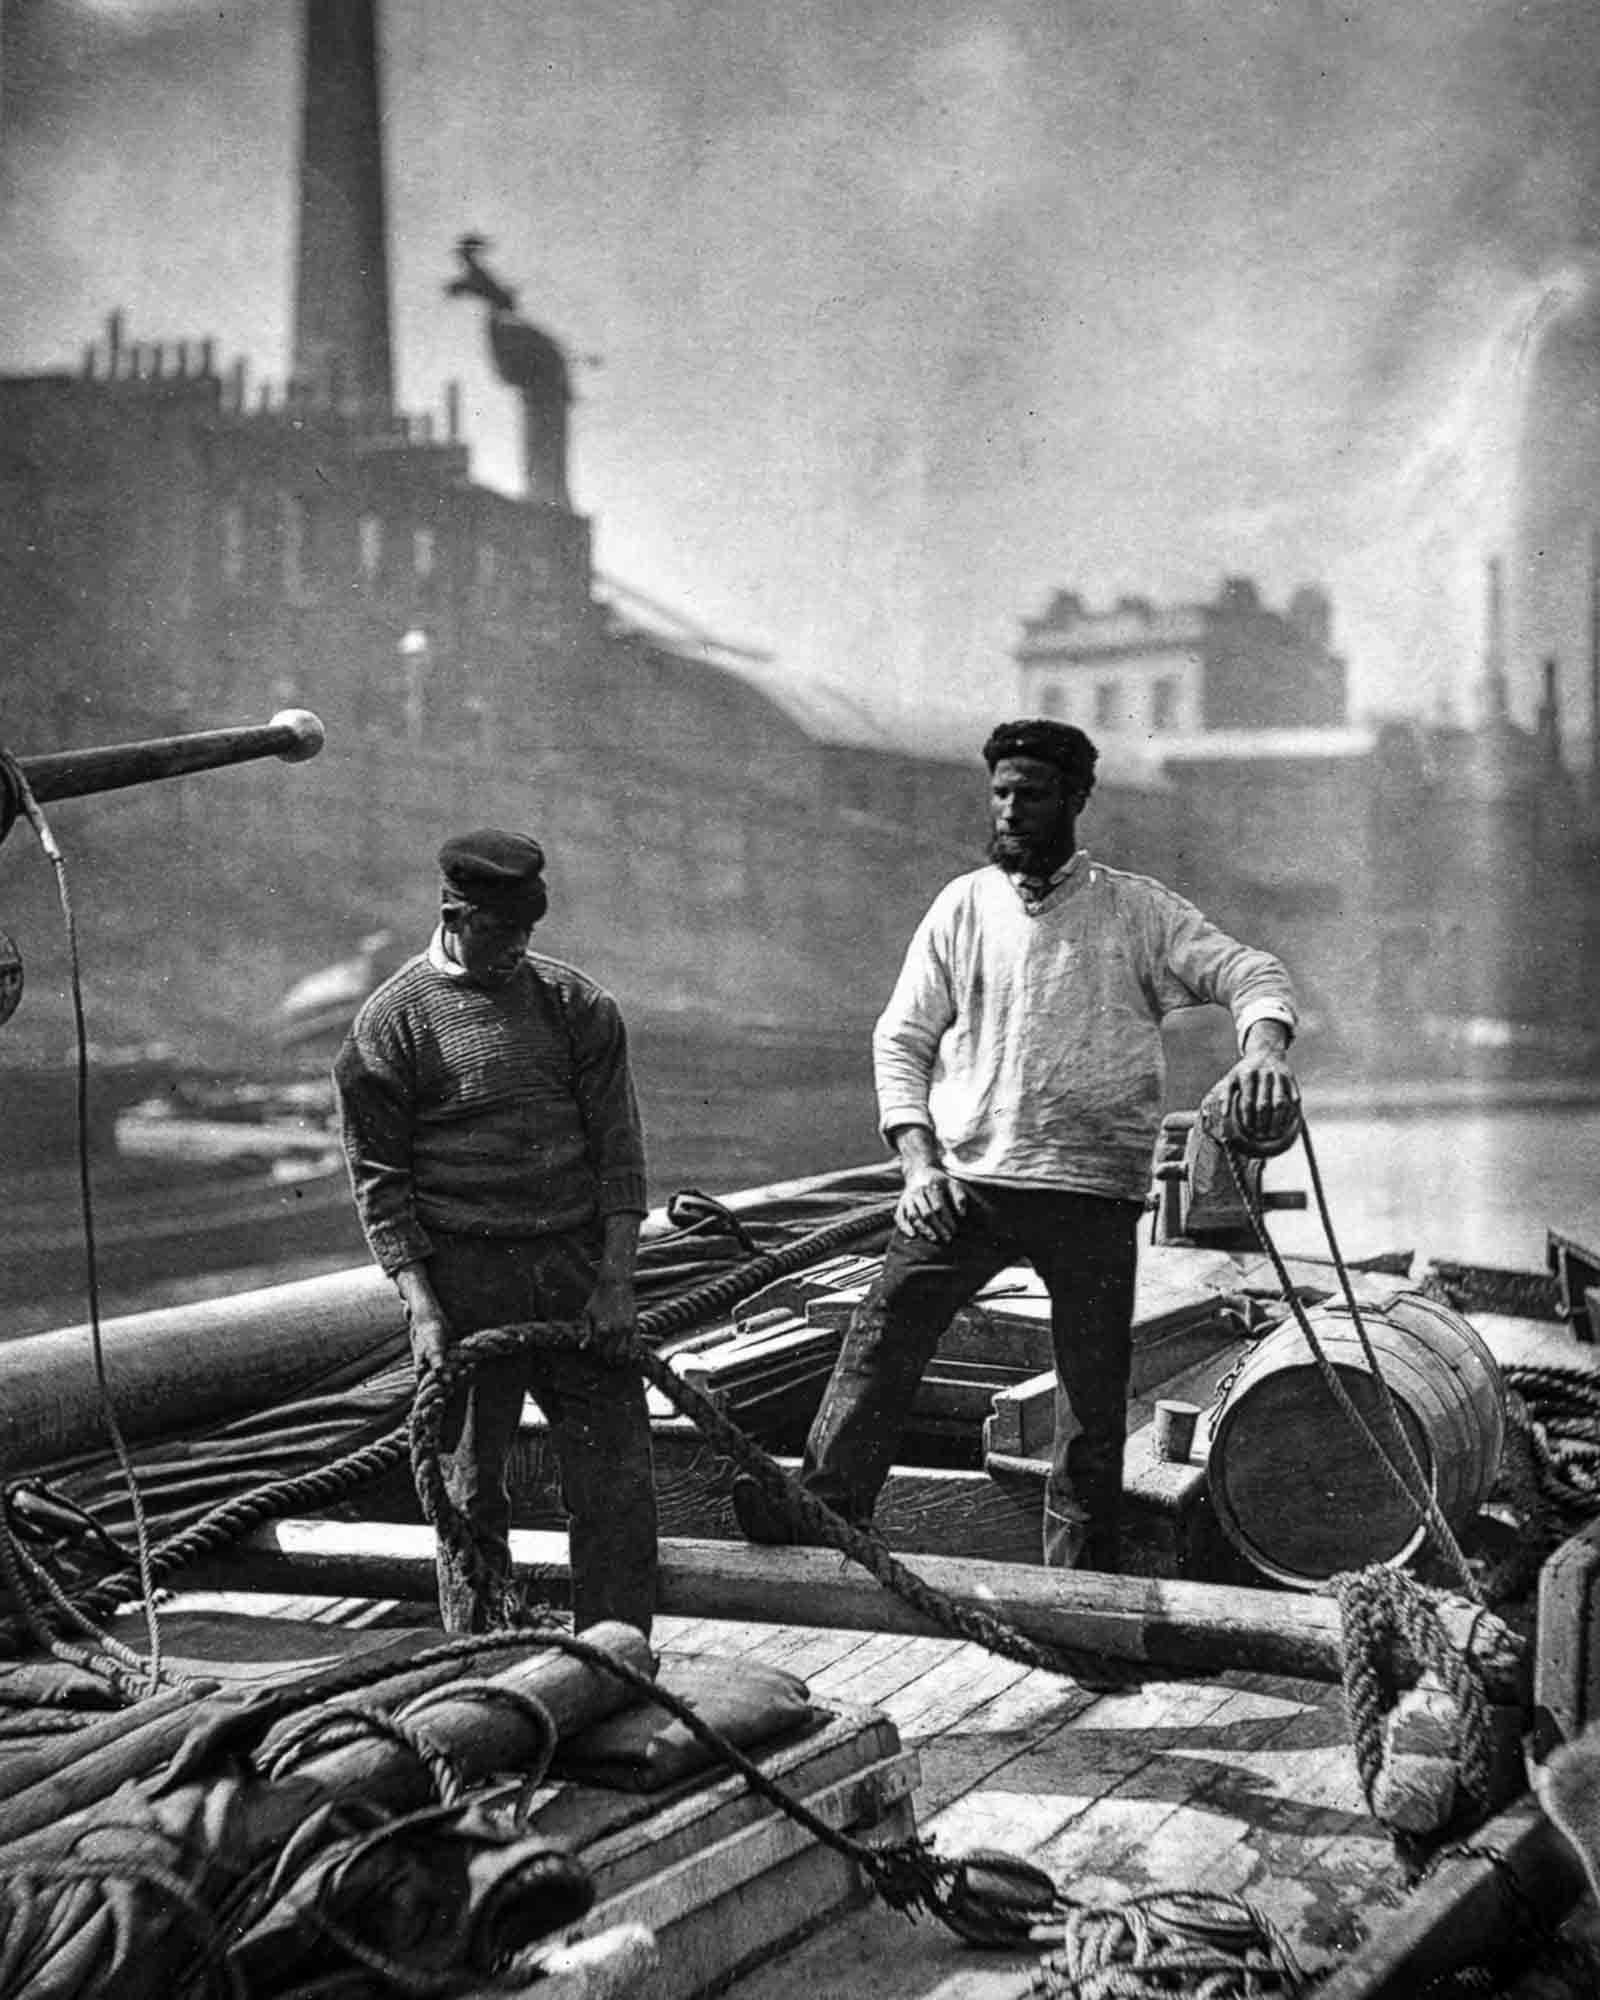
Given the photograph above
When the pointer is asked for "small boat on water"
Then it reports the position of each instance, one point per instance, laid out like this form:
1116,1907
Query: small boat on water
1291,1750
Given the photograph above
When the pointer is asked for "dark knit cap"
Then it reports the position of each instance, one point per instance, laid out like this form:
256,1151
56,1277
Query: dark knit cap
1058,743
494,870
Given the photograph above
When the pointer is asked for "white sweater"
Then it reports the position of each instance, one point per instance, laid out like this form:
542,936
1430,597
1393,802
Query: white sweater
1031,1045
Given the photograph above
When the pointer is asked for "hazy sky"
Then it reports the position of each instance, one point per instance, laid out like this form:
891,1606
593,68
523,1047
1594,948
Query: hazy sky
908,311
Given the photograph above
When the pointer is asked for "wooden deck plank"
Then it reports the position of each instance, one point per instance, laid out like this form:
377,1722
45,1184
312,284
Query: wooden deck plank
1094,1789
963,1681
987,1982
1243,1787
679,1634
803,1650
993,1735
1323,1895
878,1952
855,1679
1279,1806
896,1661
734,1637
1071,1760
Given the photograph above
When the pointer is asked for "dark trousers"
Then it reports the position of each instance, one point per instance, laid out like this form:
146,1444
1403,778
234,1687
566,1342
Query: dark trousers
1084,1248
598,1426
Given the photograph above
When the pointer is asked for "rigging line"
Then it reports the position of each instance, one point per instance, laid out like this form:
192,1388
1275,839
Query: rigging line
47,841
1325,1217
1424,1505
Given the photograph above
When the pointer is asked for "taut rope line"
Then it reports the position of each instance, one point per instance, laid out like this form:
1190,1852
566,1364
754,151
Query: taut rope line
1423,1503
15,776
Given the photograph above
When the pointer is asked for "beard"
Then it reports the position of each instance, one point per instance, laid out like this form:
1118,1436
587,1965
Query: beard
1040,856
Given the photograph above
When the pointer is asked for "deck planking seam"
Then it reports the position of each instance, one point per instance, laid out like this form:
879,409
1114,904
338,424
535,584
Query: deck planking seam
899,1663
993,1736
950,1691
857,1678
805,1649
1068,1832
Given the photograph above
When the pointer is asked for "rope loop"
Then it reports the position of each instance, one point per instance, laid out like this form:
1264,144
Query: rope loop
1393,1637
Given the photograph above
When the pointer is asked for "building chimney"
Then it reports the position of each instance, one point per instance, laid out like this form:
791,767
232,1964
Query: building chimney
1492,702
1549,720
1594,665
341,307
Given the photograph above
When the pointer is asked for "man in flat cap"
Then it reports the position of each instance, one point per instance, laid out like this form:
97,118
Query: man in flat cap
1019,1076
495,1152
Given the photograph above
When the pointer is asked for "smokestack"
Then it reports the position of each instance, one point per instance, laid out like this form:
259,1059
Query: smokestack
1594,663
1492,687
1549,720
341,308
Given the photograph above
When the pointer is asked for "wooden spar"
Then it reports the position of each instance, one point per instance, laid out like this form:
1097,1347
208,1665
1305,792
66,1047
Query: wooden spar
183,1367
293,734
1185,1627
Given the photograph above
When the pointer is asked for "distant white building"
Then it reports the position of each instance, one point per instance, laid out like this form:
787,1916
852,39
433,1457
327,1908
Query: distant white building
1184,669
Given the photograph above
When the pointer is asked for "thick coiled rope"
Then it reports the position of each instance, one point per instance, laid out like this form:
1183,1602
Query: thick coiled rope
1392,1637
1562,1408
236,1517
232,1519
1208,1947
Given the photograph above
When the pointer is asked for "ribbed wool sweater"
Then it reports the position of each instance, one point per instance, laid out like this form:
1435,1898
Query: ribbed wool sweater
488,1111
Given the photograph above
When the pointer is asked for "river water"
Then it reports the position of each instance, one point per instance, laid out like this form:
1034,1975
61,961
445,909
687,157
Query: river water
1470,1182
1479,1182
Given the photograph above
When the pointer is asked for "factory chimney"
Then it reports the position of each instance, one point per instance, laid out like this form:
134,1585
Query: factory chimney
1594,670
1492,692
341,303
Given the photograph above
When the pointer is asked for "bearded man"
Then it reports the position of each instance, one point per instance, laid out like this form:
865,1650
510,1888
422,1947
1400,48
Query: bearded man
496,1155
1019,1075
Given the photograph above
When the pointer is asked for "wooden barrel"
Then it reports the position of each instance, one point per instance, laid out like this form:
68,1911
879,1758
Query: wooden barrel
1299,1489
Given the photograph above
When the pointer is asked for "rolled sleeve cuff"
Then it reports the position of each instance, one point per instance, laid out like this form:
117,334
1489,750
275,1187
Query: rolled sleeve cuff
624,1194
395,1245
892,1116
1264,1009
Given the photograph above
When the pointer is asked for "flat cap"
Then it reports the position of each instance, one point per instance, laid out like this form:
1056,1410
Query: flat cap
1060,743
499,870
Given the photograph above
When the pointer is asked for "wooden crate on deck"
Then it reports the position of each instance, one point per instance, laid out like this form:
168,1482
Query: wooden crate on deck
721,1877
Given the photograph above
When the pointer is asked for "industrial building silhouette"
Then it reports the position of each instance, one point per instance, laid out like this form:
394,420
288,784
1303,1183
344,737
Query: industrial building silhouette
736,852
